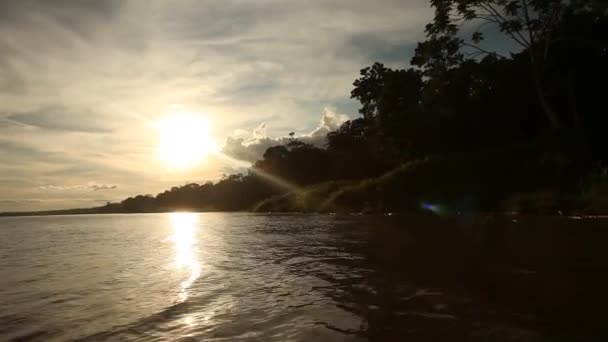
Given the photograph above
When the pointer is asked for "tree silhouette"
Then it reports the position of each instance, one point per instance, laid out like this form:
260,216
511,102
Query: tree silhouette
532,24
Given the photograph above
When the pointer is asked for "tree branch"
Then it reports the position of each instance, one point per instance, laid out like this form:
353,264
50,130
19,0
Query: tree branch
527,21
553,19
481,50
520,39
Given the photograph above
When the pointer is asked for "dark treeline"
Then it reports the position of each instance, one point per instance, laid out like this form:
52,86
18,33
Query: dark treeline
464,126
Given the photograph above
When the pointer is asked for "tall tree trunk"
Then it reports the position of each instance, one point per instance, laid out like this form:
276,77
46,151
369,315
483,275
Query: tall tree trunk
554,120
576,119
535,64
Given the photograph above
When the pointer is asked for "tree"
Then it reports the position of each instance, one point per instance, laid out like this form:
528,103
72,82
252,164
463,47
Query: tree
352,153
390,100
532,24
296,162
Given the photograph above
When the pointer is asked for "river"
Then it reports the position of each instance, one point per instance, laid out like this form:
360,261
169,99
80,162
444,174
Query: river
302,277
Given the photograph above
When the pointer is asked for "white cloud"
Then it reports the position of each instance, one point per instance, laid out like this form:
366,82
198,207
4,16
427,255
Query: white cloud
252,148
329,122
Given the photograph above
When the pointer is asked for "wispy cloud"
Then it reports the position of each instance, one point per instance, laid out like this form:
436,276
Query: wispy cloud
58,119
89,186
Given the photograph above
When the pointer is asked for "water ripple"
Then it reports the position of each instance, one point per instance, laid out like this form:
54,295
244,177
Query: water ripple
227,277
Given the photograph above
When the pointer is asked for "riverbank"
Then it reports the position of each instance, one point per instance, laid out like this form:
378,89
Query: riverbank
541,178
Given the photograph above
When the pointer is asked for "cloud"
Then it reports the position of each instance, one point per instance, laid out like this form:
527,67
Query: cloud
252,148
21,200
57,119
96,187
89,186
329,122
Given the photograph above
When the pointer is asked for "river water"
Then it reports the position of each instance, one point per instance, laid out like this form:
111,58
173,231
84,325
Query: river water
254,277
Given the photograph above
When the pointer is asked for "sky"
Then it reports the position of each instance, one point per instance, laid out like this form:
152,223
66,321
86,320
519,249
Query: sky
83,85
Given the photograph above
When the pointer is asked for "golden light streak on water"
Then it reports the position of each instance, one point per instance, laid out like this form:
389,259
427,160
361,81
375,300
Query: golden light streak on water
184,227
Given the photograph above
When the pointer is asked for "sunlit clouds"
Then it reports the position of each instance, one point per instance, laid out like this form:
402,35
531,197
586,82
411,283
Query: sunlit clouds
250,147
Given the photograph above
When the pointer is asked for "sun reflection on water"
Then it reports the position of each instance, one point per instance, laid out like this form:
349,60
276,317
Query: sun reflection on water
184,238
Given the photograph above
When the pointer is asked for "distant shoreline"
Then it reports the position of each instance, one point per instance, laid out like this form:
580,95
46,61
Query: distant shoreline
95,211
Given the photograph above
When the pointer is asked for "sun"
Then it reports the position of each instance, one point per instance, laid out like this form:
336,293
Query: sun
184,140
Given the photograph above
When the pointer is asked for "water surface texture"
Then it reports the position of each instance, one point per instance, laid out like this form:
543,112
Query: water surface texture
253,277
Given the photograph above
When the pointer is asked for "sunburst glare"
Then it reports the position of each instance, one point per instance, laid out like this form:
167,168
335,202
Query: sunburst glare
184,139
